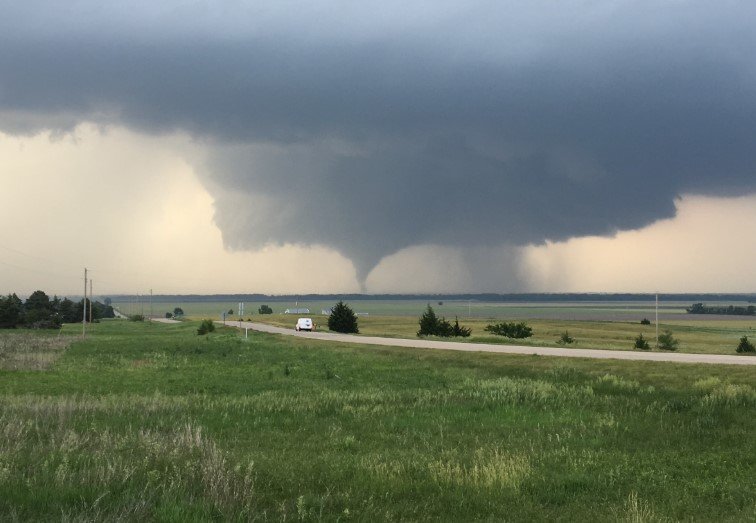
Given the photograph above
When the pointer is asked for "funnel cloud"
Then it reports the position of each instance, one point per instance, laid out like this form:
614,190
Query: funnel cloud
369,131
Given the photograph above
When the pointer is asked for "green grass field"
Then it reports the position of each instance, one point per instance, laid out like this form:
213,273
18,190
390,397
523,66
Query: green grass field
613,325
150,421
696,336
625,311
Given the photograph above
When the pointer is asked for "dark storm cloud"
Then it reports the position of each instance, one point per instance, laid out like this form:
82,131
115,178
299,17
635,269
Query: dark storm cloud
370,132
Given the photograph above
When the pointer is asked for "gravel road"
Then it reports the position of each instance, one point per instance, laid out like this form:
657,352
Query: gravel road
721,359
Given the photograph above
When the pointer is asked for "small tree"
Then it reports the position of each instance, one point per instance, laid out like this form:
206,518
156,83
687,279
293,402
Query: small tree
11,308
566,339
343,319
168,315
745,345
178,311
445,329
428,323
264,309
667,341
205,327
39,311
459,330
645,321
641,342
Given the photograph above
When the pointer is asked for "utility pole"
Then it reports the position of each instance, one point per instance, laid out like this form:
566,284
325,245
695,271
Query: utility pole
657,320
84,311
90,300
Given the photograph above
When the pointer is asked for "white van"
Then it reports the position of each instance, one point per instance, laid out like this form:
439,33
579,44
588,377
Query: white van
304,324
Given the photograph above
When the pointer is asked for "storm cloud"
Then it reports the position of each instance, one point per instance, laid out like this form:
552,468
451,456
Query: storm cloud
374,129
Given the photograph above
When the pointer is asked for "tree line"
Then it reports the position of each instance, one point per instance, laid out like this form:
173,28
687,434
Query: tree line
39,311
736,310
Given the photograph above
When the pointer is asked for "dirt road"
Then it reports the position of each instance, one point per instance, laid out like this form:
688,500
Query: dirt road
722,359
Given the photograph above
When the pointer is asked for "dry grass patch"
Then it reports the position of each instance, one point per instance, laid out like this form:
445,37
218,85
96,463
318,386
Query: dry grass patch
30,351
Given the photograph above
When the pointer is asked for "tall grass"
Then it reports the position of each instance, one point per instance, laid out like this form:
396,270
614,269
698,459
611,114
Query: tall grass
214,429
30,350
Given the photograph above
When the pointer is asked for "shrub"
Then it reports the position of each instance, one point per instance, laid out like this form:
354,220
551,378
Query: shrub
136,317
343,319
445,329
52,323
511,330
428,323
667,341
178,311
432,325
566,339
205,327
645,321
641,342
459,330
745,345
168,315
264,309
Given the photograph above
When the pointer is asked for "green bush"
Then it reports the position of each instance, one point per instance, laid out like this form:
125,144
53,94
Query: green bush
432,325
566,339
205,327
459,330
136,317
641,342
667,341
428,323
264,309
745,345
343,319
511,330
645,321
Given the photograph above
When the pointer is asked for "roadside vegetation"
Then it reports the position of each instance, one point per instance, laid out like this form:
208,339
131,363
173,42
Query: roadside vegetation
150,421
343,319
39,311
693,336
513,330
432,325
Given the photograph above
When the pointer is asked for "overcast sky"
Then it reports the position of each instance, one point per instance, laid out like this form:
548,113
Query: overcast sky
390,147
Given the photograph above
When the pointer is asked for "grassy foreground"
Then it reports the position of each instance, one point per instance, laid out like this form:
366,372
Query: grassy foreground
149,421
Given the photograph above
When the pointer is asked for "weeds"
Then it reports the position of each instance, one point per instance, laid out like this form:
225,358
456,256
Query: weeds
27,351
149,423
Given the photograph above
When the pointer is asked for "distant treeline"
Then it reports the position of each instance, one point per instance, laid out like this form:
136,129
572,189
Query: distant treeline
700,308
490,297
41,312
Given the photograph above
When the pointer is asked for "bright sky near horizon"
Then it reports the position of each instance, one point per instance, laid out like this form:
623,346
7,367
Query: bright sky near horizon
131,209
236,147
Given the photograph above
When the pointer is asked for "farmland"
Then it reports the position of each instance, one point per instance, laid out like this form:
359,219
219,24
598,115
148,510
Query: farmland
149,421
594,325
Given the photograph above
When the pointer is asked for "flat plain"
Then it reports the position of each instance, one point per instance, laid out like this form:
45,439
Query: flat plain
594,325
151,421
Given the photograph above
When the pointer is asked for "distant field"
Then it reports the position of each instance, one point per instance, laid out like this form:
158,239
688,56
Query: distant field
713,337
151,422
599,325
600,311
